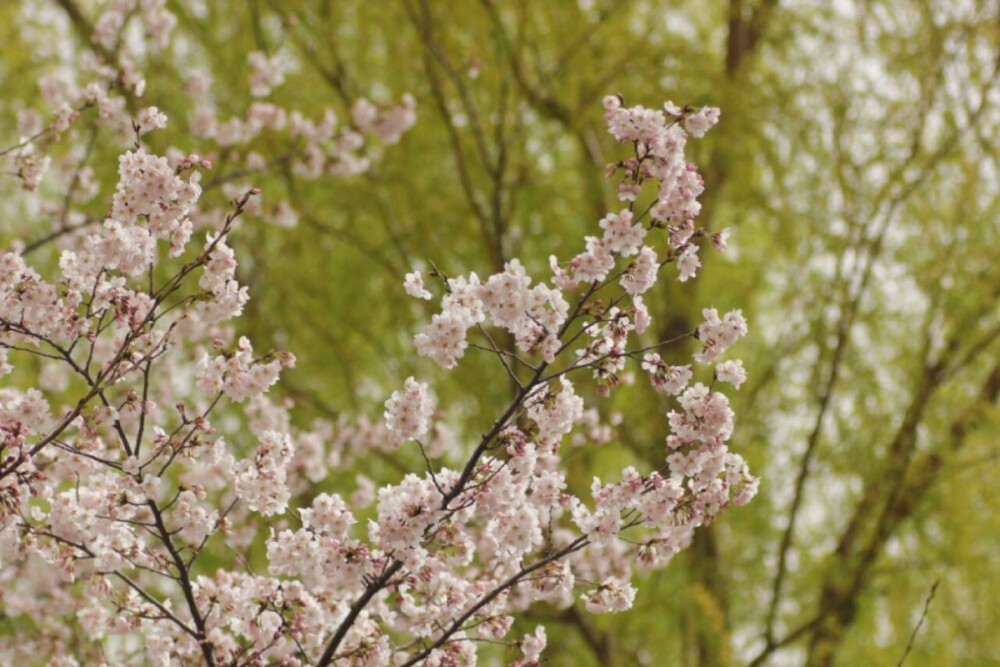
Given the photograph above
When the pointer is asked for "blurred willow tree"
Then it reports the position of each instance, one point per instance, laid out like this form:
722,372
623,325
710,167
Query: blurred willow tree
857,167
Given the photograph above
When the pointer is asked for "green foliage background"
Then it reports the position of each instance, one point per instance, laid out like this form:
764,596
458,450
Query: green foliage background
856,164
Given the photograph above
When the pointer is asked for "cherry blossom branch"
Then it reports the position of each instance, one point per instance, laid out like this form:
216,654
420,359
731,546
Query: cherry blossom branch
53,235
370,591
576,545
184,579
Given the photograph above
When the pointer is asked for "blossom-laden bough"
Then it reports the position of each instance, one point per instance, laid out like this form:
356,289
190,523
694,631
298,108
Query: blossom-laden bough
116,480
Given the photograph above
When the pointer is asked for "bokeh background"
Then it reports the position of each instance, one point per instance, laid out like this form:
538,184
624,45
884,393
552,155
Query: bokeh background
856,165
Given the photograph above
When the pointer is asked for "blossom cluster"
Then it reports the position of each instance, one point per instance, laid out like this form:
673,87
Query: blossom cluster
108,80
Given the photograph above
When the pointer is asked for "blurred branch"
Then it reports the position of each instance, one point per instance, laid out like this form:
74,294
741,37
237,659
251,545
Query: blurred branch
599,642
52,236
746,27
471,111
432,53
545,103
337,77
923,616
577,44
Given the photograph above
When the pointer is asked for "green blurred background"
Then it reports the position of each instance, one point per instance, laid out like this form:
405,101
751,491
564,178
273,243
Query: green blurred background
856,165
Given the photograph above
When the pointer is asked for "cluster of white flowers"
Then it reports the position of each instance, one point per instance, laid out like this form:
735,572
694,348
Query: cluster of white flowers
415,287
620,235
666,379
611,596
239,376
150,119
532,645
660,140
719,334
555,412
688,263
262,480
194,521
405,511
700,122
219,279
706,417
328,516
266,73
29,166
532,315
408,412
388,124
641,273
33,305
149,187
329,147
731,371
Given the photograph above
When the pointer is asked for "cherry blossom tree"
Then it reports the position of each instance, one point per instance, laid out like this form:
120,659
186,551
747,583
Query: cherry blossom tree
142,459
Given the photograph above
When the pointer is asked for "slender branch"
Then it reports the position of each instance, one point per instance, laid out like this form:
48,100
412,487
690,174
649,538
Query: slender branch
923,617
370,590
184,579
575,545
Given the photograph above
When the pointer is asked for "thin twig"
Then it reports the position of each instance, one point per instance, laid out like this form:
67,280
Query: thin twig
923,617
